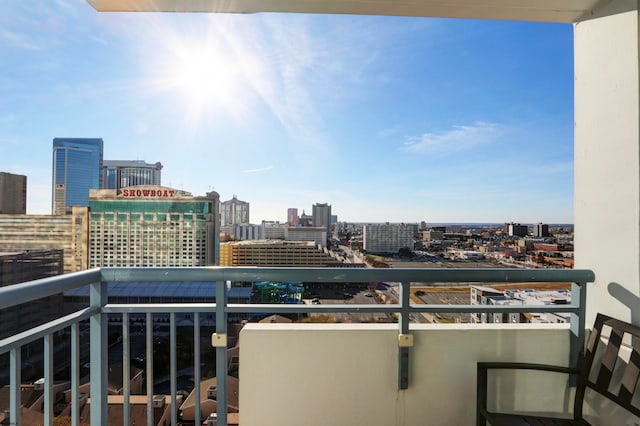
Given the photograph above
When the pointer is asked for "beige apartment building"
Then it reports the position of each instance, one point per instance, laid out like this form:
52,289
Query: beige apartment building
49,232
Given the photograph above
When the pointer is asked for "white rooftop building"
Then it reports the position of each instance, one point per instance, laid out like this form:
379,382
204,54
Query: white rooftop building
387,238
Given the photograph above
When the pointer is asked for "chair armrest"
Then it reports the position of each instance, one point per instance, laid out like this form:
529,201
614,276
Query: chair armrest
482,376
483,366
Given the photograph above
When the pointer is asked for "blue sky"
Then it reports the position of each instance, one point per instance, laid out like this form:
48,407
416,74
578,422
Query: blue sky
387,119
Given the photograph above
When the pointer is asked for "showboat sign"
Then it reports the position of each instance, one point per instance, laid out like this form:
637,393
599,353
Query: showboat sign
149,192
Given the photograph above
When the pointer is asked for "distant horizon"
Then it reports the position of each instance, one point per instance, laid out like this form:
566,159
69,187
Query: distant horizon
467,224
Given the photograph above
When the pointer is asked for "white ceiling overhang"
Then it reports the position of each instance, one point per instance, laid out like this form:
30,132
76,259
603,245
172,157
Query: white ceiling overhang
518,10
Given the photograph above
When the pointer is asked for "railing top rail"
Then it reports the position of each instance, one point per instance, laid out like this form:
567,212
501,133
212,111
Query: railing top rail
433,275
35,333
26,292
13,295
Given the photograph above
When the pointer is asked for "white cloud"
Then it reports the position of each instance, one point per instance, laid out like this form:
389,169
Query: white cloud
98,40
18,40
459,138
261,169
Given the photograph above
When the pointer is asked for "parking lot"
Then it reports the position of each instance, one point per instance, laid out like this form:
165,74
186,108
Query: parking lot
356,294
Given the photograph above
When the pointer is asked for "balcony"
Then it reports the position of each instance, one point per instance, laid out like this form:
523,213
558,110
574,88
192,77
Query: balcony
395,373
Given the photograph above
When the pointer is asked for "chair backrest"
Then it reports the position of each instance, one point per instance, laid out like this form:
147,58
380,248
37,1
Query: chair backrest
611,364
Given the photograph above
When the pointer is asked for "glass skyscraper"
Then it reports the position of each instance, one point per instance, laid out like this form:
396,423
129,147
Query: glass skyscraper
121,174
77,166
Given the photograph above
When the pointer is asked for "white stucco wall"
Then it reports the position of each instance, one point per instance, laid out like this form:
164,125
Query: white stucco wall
607,159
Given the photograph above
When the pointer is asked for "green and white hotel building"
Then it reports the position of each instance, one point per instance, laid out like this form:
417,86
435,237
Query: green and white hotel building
147,226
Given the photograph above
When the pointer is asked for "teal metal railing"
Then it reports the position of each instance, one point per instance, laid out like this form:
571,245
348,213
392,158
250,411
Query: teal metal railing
98,310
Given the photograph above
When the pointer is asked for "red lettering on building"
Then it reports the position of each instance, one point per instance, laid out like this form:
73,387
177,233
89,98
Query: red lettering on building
149,193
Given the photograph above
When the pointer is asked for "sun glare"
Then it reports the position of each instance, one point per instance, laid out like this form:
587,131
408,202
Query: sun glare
204,74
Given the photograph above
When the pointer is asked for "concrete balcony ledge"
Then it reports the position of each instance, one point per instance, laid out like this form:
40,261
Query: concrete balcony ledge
347,374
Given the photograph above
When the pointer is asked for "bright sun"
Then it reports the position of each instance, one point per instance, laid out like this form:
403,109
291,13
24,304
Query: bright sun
203,73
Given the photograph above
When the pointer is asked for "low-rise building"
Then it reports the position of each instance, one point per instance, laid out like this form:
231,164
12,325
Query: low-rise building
432,235
483,295
274,253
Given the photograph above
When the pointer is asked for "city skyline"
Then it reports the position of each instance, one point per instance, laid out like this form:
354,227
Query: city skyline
385,118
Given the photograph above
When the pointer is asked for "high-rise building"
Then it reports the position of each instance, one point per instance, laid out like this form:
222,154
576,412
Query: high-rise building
13,193
234,212
322,216
540,230
387,238
517,230
77,167
67,232
292,216
121,174
151,226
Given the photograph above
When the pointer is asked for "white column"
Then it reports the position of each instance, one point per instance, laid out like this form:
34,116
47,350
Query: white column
607,159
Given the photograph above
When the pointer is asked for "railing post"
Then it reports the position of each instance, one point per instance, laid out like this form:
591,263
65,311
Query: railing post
75,374
126,370
196,365
99,355
48,380
578,327
149,368
15,381
173,355
221,353
403,325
